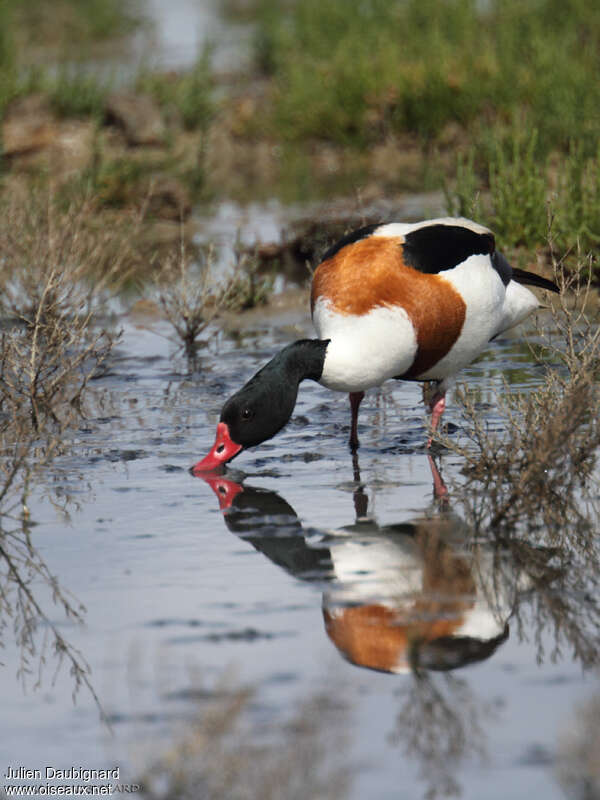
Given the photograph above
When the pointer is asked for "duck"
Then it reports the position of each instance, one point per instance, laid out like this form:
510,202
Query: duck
415,301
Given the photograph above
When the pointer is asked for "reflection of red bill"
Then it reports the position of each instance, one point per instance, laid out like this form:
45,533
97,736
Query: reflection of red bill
225,489
222,451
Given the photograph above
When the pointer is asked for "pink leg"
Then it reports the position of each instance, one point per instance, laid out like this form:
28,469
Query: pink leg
355,401
437,407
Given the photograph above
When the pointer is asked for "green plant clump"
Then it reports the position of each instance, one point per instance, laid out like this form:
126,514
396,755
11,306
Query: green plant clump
8,74
187,96
63,28
352,73
524,195
69,21
76,92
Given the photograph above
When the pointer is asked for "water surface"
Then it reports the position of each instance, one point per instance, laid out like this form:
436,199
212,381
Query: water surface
299,571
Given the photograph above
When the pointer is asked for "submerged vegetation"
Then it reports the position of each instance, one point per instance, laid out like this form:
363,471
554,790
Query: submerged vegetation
213,757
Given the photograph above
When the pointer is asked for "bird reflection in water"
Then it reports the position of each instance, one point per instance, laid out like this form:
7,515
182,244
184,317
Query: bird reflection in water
426,597
422,597
413,596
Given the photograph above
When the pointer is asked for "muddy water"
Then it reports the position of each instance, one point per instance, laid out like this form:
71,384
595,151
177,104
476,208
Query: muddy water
298,572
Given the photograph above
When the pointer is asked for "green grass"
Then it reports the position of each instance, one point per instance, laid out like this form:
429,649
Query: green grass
66,27
527,196
354,73
8,74
511,86
117,182
77,92
187,95
74,22
73,91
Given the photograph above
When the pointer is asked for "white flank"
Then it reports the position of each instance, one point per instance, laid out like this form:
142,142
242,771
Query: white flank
492,308
364,350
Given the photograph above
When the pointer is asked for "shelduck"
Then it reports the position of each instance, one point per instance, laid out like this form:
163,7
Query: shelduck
410,301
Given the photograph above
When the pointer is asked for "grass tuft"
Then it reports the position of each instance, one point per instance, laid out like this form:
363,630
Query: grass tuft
76,92
507,182
184,96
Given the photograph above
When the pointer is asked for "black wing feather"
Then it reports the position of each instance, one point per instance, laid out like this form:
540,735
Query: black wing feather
435,248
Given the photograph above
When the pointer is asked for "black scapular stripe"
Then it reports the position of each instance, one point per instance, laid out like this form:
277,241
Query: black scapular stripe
502,267
531,279
434,248
350,238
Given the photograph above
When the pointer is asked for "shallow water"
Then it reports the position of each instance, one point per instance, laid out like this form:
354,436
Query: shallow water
183,28
298,572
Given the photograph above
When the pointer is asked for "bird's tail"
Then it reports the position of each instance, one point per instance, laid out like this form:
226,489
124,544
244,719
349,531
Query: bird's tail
531,279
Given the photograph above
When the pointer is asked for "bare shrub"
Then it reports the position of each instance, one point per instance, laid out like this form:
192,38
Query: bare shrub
67,261
187,293
538,470
45,370
192,295
58,269
55,270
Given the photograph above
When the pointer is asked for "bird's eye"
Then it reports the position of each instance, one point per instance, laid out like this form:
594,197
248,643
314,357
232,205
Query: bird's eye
246,413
